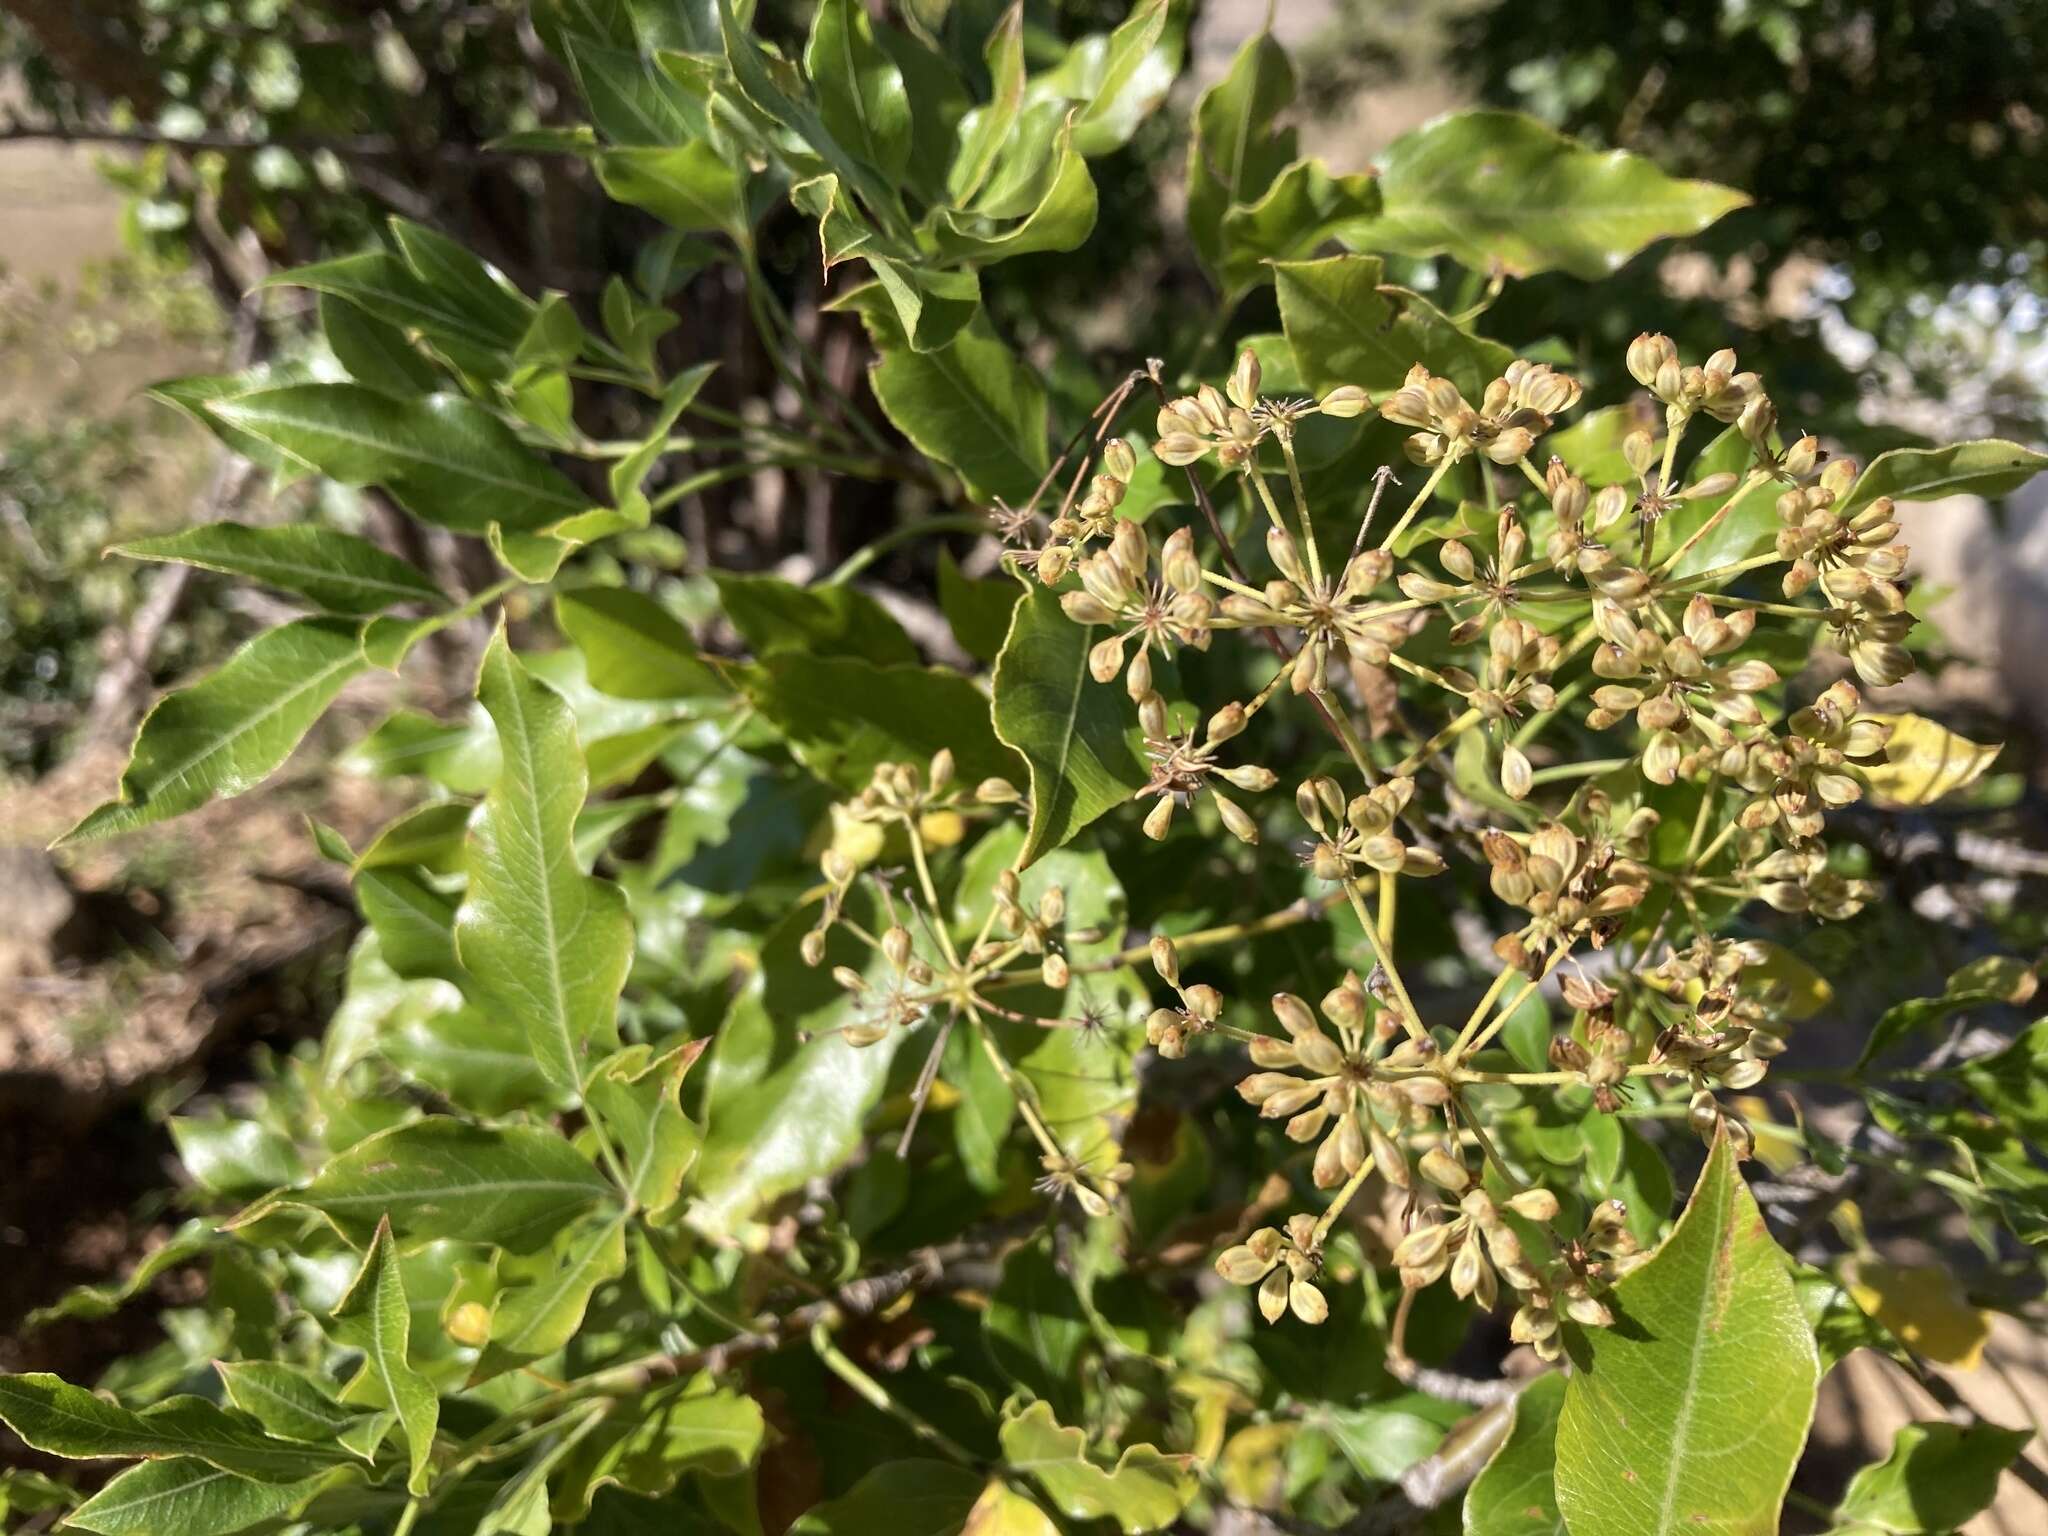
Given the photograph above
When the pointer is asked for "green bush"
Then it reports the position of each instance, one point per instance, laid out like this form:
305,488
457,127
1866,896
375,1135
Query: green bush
786,1085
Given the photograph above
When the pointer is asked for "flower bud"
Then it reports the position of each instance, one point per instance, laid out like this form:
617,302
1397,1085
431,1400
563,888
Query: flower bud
1165,959
1345,402
1118,460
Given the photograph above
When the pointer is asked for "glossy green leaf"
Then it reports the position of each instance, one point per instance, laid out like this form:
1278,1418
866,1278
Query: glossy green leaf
185,1495
293,1404
1987,982
688,187
673,1431
843,717
542,1316
1035,1327
232,729
1145,1491
334,571
1119,78
443,458
1839,1324
59,1419
786,1097
633,647
240,1159
978,608
542,942
971,404
1346,327
1237,151
1304,207
1937,1478
1497,189
987,129
477,338
860,89
475,1059
1988,467
1514,1493
374,1316
442,1178
374,351
636,1095
1073,732
1663,1430
779,618
1059,219
901,1498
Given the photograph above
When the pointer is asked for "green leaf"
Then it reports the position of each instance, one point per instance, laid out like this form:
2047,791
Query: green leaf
1988,467
1839,1324
1345,327
189,1242
230,731
2013,1083
778,618
987,130
475,1059
969,404
441,1178
1992,980
1236,152
541,1317
444,459
185,1495
1120,79
1304,207
1663,1430
293,1404
859,87
637,1096
787,1098
673,1430
461,758
843,717
1058,219
977,608
1381,1442
1035,1328
478,339
1513,1494
59,1419
633,647
1937,1478
334,571
1499,189
1145,1491
542,942
236,1158
373,1316
689,187
1073,732
902,1498
374,351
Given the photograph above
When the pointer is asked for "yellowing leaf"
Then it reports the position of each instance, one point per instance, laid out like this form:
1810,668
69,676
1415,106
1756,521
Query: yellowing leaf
1926,1308
1924,761
1002,1512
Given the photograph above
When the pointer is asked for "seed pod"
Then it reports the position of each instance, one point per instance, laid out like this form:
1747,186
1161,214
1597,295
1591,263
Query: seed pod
1244,380
1165,959
1242,1265
812,947
1443,1169
1118,460
1159,818
1235,819
1204,1002
896,945
1388,1158
1345,402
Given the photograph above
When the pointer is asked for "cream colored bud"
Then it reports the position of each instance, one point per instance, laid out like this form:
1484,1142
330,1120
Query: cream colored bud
1118,460
1244,380
1165,959
1345,402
